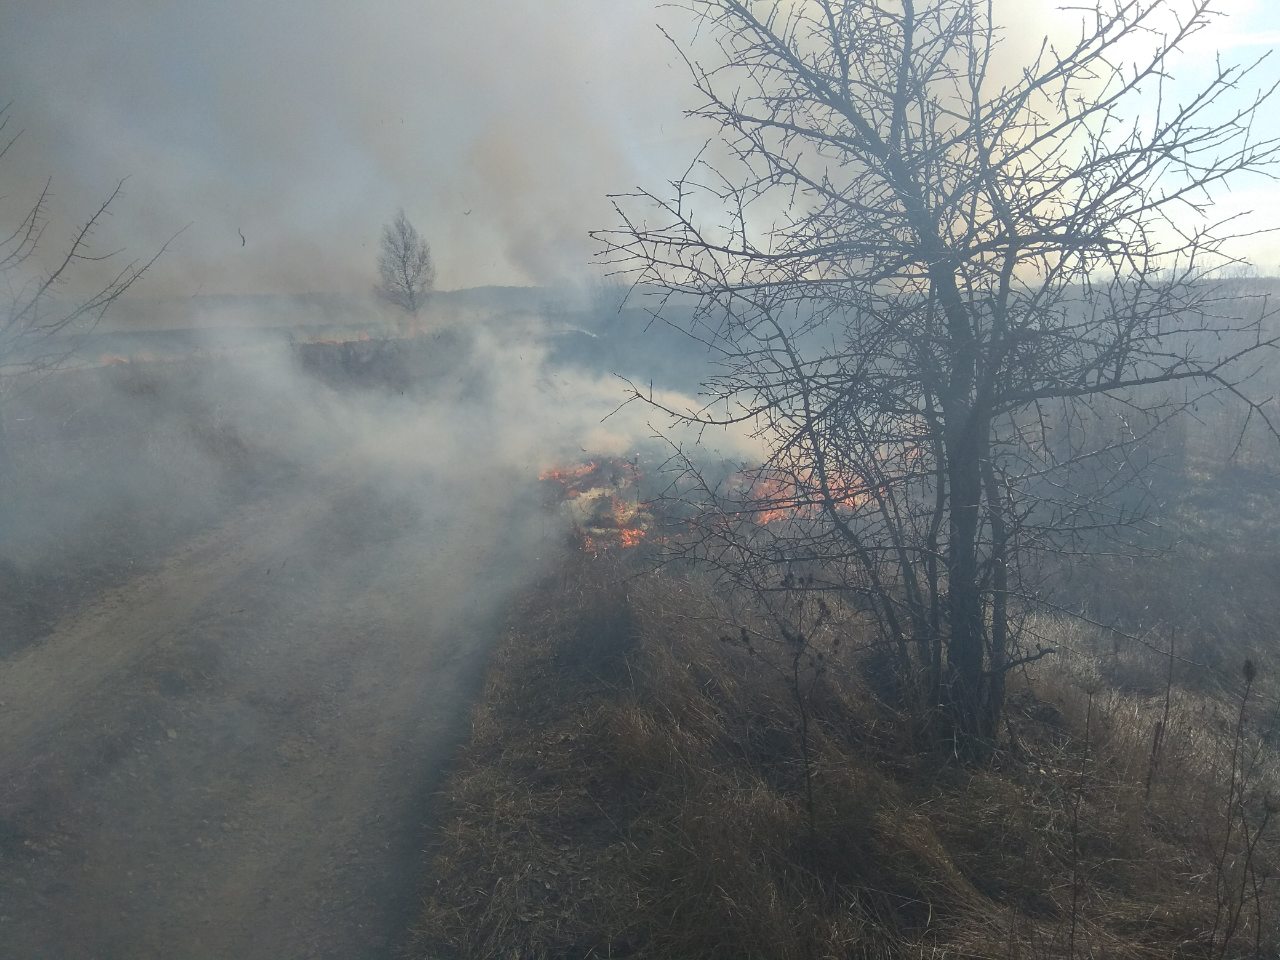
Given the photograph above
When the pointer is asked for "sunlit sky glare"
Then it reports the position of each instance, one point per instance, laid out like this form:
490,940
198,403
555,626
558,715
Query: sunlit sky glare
500,125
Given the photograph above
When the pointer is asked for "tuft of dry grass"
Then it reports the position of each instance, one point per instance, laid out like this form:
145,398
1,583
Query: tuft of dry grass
634,787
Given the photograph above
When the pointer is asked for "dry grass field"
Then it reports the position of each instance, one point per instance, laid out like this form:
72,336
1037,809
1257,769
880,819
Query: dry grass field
636,786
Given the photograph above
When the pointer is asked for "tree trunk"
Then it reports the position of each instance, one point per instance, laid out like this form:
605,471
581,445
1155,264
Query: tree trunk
964,438
994,694
965,651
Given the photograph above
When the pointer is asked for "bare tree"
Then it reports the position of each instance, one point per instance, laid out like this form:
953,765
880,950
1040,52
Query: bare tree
405,266
45,316
956,310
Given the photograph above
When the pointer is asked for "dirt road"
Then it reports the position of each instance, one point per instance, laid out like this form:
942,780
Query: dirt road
233,757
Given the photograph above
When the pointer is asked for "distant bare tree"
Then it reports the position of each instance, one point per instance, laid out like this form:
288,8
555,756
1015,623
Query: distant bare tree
405,266
954,309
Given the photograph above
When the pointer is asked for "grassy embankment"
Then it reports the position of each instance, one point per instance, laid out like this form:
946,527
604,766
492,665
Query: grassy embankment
634,787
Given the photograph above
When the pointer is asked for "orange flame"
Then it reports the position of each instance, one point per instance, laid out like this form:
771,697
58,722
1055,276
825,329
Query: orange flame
773,499
600,498
568,474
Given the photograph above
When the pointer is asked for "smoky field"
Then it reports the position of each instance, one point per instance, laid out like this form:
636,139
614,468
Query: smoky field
726,479
253,584
248,590
146,440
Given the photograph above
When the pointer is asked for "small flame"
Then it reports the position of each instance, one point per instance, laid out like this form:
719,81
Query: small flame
773,499
569,477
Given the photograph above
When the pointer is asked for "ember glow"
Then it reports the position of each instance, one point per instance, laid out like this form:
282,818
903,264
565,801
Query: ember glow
769,500
601,499
570,479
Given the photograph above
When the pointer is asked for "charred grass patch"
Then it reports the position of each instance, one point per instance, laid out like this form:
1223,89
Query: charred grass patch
634,787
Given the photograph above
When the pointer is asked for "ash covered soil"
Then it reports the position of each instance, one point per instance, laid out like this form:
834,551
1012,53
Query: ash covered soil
233,755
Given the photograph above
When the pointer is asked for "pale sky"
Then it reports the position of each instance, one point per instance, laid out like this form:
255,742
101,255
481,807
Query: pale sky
499,125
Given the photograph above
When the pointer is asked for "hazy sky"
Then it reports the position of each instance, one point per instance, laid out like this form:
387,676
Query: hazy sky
305,123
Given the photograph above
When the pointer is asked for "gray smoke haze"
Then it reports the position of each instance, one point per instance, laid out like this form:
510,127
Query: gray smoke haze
499,126
306,123
179,441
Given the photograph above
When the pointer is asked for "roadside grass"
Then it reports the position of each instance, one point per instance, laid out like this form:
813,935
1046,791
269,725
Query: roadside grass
633,787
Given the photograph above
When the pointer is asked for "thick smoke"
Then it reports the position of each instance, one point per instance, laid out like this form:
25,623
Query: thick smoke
499,126
114,464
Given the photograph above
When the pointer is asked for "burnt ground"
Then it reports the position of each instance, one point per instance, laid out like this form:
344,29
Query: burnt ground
233,754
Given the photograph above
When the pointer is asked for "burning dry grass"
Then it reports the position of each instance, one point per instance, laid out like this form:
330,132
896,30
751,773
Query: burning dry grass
634,788
601,500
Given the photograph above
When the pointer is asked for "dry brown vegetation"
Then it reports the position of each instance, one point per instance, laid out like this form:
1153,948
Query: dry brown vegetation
633,787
